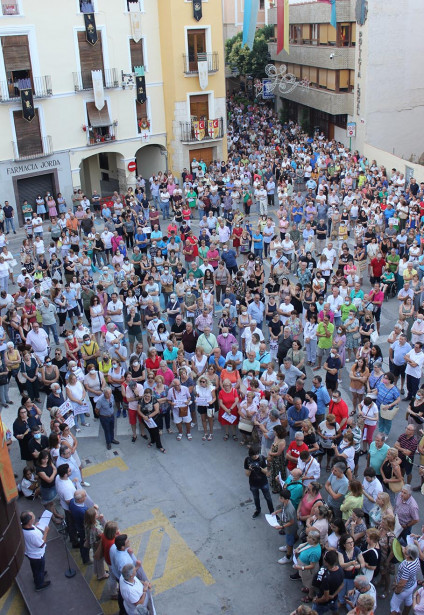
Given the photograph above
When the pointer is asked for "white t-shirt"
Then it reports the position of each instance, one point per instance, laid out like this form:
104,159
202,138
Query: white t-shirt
131,593
34,543
418,358
113,307
65,490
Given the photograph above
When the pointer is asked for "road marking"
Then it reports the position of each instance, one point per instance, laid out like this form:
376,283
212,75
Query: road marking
181,564
12,602
117,462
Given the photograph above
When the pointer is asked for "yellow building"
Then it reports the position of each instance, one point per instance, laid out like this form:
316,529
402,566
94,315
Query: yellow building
86,136
193,99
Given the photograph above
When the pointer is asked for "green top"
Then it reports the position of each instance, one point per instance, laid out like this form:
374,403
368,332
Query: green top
325,342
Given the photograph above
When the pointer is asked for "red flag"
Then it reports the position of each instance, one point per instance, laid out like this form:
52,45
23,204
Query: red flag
282,25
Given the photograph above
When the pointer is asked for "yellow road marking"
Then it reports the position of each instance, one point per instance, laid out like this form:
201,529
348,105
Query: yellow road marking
117,462
152,552
12,602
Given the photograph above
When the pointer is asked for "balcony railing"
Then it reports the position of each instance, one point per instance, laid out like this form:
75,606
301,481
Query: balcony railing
95,136
9,7
190,63
42,88
188,132
27,151
83,80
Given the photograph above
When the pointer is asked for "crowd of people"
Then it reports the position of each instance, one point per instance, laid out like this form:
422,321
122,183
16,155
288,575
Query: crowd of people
246,290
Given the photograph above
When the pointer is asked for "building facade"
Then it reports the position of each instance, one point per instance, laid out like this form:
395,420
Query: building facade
357,75
88,128
233,14
194,82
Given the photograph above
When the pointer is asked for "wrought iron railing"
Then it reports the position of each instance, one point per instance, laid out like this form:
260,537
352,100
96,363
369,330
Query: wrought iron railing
83,79
190,131
41,86
190,62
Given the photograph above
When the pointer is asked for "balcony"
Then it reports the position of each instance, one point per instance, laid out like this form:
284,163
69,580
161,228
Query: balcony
188,135
101,136
83,80
42,88
311,55
190,62
9,7
28,151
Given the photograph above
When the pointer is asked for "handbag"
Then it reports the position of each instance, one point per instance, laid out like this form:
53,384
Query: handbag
397,486
374,337
245,425
183,412
388,413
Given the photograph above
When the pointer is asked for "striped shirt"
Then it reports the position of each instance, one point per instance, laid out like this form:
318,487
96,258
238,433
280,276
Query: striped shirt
408,571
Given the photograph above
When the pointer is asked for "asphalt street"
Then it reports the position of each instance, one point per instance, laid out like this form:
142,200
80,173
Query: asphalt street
189,512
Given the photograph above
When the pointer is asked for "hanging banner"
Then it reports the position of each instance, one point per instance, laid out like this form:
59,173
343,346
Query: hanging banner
251,8
199,130
27,101
99,92
197,9
140,84
136,23
90,28
283,26
202,67
213,128
333,16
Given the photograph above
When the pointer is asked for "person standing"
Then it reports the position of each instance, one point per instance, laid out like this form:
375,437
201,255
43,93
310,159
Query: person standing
255,466
104,406
414,365
35,548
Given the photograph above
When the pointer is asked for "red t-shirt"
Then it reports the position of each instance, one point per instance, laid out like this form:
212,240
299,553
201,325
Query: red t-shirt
340,411
294,450
377,266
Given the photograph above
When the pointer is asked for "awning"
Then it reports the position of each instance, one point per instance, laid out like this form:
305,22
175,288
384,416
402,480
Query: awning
96,118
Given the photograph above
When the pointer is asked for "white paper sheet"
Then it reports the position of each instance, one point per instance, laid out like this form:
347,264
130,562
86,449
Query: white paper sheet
44,520
272,520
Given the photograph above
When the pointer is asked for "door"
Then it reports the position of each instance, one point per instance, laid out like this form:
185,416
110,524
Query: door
196,43
29,188
205,154
199,107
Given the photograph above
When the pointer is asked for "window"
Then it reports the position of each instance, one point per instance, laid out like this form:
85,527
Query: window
28,135
99,124
295,34
196,43
136,51
10,7
134,6
261,5
199,107
313,76
17,64
314,34
143,122
344,80
91,58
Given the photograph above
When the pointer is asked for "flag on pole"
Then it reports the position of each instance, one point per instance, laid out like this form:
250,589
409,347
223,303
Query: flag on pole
283,26
333,18
251,8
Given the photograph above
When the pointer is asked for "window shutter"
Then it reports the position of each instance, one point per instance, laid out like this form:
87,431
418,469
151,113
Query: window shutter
136,50
296,71
16,53
353,26
305,72
323,33
28,134
332,33
331,80
323,77
344,79
313,74
305,31
91,56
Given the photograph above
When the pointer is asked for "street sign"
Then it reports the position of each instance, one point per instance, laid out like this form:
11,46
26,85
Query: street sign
132,166
351,129
267,93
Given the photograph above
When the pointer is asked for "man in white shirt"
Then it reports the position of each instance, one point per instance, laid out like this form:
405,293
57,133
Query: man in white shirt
35,548
261,197
309,467
180,399
246,336
418,329
285,309
106,237
66,488
414,366
371,487
115,310
330,253
134,592
335,301
38,339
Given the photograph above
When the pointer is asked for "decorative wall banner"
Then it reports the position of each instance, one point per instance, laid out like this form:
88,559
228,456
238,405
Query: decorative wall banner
333,18
199,130
140,84
90,28
283,26
251,8
136,26
197,9
98,88
202,67
213,128
27,101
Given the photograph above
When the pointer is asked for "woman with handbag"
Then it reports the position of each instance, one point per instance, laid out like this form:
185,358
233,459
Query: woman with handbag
381,508
148,409
29,371
350,561
388,397
229,401
371,554
415,412
308,555
205,398
358,375
387,560
247,412
78,396
391,472
94,524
